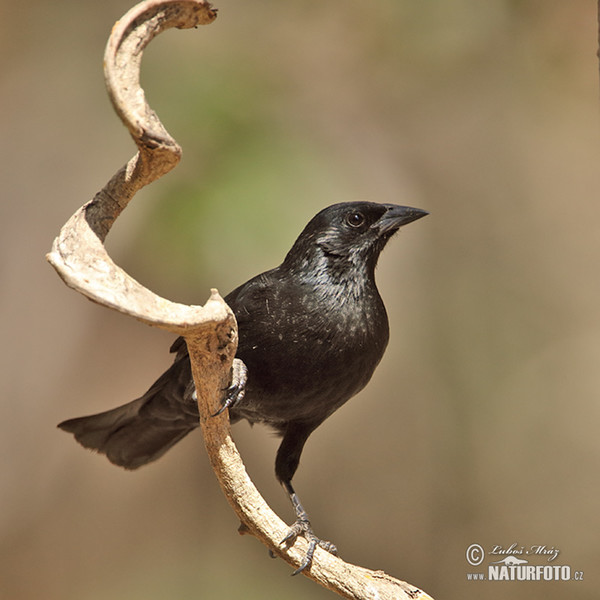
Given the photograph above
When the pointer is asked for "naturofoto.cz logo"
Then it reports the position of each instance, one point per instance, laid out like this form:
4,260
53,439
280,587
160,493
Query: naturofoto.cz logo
518,563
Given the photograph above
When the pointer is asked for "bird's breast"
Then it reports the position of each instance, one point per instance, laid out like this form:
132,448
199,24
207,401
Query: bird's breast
309,353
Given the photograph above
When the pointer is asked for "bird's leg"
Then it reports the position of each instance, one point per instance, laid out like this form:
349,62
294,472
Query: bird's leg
286,463
302,527
237,388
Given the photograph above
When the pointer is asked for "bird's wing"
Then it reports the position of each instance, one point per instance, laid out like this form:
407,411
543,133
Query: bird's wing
255,293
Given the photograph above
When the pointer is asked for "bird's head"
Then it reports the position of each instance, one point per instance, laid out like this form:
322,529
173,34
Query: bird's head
349,235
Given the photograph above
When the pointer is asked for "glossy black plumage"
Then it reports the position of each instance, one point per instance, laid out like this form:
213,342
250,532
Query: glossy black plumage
311,333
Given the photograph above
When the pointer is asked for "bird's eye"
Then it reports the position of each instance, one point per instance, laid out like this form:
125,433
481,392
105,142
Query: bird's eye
355,219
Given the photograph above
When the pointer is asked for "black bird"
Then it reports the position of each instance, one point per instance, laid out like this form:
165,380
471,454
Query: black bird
311,333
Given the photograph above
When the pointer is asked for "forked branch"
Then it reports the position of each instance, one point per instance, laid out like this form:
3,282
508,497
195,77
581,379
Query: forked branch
79,256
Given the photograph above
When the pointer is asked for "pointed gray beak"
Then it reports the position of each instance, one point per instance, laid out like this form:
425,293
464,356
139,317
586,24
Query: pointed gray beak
397,216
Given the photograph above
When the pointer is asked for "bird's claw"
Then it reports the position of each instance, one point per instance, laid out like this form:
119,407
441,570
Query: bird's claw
302,527
237,388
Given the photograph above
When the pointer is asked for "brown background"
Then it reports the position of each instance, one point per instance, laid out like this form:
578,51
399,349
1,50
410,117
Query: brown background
481,424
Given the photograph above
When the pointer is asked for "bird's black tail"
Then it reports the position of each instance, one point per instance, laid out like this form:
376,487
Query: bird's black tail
141,431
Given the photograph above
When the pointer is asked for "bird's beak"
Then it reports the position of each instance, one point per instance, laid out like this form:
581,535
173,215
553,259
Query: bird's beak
397,216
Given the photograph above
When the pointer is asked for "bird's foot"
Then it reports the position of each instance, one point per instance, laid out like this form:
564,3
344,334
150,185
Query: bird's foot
237,388
302,527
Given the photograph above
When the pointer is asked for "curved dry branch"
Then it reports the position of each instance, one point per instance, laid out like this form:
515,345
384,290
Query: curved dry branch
78,252
79,256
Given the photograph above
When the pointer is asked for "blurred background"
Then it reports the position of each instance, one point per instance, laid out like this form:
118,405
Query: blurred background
481,423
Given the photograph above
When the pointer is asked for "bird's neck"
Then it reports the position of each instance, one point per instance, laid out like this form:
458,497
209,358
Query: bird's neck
339,279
